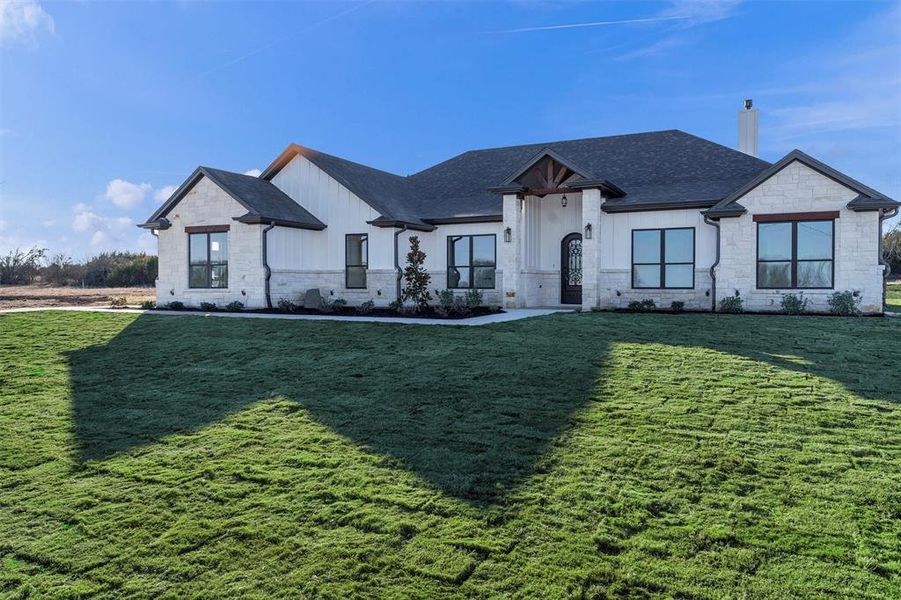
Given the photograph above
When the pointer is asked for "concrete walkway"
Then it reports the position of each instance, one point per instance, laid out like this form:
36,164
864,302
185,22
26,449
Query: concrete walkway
513,314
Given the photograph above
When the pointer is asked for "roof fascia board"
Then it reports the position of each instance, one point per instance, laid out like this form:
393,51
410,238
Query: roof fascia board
469,219
615,207
255,219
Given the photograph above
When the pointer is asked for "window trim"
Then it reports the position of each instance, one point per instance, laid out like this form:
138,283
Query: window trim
365,265
663,262
470,266
794,257
207,231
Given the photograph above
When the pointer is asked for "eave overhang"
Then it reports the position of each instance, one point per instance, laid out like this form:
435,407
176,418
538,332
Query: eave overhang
392,223
254,219
157,224
621,207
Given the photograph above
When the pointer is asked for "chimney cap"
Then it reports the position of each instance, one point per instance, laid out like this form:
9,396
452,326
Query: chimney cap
748,104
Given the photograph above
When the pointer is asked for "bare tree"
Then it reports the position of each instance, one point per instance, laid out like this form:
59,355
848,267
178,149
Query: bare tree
21,266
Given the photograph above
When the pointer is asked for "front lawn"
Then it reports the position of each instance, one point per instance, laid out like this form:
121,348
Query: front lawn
893,297
578,455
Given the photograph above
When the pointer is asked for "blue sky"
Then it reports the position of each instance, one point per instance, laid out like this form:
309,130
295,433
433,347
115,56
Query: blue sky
104,107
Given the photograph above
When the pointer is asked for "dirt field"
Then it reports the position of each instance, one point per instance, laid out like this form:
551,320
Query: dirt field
22,296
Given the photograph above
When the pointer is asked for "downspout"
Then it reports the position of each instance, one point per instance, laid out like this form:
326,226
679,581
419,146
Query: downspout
397,259
715,264
886,269
266,231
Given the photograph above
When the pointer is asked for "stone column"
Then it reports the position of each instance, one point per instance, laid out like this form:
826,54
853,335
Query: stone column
591,259
511,253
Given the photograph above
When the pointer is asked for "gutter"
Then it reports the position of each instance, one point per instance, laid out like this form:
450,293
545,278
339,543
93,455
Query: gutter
266,231
886,271
397,270
716,262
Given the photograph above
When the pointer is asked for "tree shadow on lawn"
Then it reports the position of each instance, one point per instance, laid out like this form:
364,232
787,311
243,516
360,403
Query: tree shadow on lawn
469,409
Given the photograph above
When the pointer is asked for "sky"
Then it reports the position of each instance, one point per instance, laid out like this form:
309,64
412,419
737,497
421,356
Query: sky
106,107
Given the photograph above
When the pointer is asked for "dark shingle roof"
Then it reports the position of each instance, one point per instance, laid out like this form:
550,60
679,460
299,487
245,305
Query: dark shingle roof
657,167
265,203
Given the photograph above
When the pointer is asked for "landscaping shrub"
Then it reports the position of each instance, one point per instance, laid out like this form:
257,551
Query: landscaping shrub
175,305
118,301
235,306
845,303
794,304
677,306
416,277
208,306
732,304
286,305
148,304
21,267
327,305
645,305
461,306
366,307
473,298
445,300
396,305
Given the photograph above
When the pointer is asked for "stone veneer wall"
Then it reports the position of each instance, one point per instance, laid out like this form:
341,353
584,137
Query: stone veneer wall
207,204
798,188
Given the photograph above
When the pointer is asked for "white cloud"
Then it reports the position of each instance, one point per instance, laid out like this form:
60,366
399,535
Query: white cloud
253,172
3,225
49,223
163,194
125,194
696,12
22,20
102,229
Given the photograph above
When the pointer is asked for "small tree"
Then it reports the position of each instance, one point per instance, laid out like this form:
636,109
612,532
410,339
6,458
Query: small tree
891,249
416,277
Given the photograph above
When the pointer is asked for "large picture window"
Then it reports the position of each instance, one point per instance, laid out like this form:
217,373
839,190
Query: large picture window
208,259
795,254
356,260
663,258
471,261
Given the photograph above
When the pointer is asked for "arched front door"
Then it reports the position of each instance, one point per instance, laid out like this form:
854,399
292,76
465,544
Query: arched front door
571,269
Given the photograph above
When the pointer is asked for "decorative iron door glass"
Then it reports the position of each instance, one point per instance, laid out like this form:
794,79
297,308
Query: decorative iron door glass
208,260
571,269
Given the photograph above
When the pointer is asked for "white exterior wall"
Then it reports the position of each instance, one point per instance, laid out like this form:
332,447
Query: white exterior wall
798,188
207,204
545,223
303,259
616,258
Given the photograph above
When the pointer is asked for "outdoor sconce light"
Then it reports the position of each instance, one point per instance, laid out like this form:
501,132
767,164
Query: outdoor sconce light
588,231
563,201
508,235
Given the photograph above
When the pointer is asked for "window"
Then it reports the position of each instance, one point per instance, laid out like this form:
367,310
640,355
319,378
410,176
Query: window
470,261
208,259
795,254
356,260
663,258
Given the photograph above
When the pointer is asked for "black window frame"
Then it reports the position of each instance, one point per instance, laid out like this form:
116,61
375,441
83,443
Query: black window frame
364,265
209,264
662,262
794,256
471,266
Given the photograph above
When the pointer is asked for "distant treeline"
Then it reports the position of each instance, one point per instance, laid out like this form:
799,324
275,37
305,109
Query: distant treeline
107,269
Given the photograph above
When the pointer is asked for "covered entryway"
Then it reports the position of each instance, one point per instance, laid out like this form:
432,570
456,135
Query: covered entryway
571,269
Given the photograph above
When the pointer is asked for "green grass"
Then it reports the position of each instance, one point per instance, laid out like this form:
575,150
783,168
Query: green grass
893,297
580,455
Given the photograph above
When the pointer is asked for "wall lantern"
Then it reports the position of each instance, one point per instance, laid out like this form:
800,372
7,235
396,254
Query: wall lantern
508,235
563,201
588,231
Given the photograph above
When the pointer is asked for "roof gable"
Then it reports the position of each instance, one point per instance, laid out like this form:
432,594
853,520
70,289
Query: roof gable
868,198
264,202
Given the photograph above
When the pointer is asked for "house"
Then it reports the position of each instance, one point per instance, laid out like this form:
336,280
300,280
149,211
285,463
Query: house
595,223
